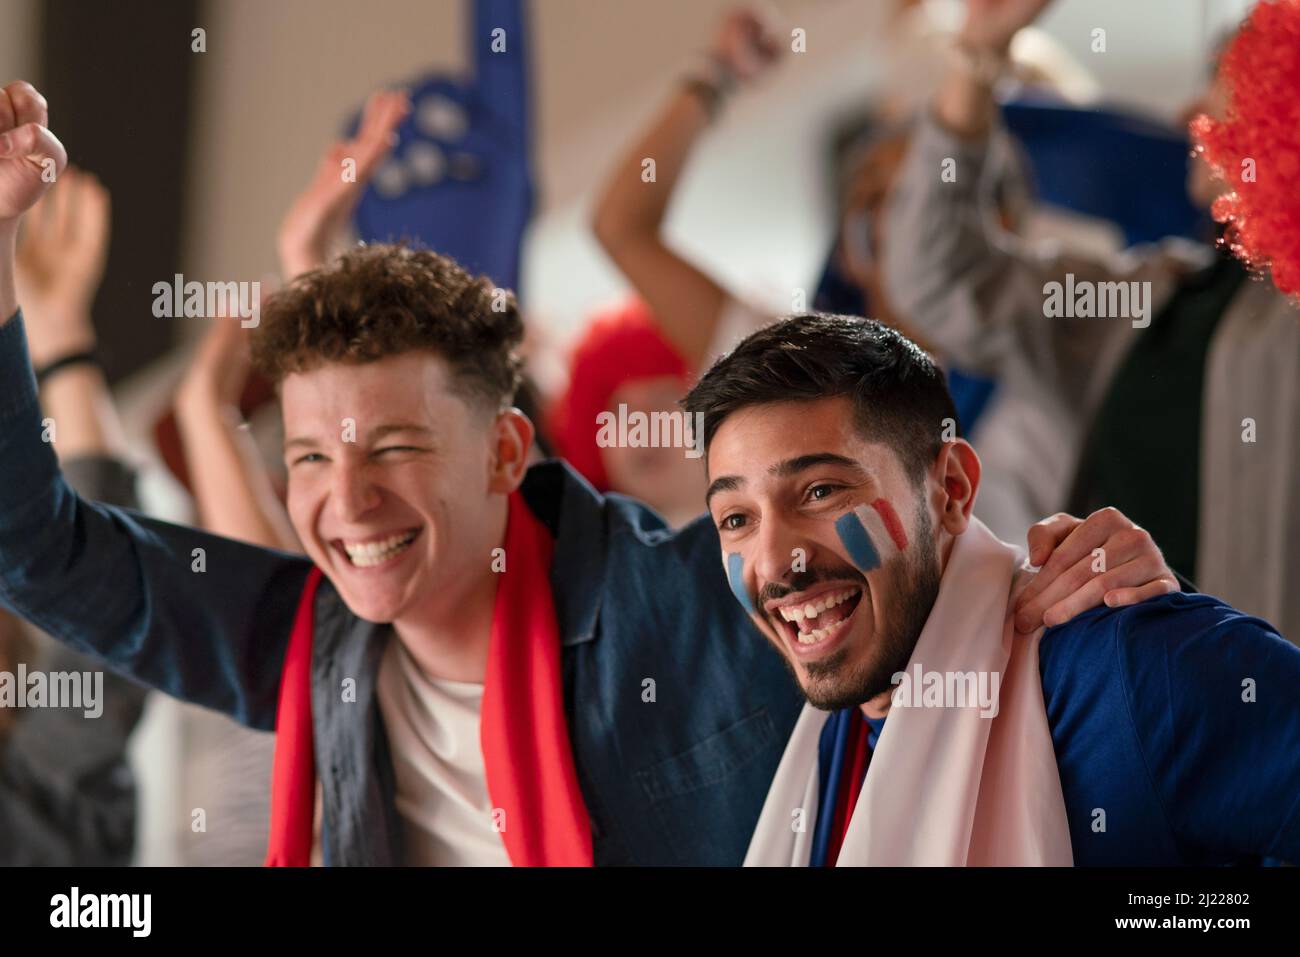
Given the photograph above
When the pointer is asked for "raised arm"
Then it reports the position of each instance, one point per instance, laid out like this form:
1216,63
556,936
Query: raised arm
630,214
231,486
319,214
979,294
59,266
198,616
233,492
943,267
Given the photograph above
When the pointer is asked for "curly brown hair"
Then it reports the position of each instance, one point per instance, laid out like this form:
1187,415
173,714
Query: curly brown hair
380,300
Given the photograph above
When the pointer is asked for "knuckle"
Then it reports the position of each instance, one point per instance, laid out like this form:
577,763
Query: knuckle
1109,515
1127,539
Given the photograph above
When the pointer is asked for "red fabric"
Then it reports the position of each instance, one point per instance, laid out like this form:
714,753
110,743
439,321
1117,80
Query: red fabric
293,770
620,345
1262,69
524,734
850,788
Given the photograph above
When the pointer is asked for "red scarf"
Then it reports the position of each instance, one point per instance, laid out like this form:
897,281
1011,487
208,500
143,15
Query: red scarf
524,733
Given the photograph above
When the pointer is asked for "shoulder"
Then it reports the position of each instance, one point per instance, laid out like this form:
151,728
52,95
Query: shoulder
1183,646
1176,623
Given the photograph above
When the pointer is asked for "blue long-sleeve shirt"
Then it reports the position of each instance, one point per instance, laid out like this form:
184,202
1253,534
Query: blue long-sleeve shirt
1176,727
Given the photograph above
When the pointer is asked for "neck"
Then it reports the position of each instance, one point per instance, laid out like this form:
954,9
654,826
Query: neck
878,706
453,644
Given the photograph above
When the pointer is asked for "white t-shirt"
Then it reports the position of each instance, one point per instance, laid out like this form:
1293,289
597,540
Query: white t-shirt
442,796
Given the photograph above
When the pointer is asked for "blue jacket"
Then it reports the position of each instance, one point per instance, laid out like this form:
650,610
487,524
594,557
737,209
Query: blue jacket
677,780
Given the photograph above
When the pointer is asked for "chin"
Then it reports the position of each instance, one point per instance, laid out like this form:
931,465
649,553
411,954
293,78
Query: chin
378,611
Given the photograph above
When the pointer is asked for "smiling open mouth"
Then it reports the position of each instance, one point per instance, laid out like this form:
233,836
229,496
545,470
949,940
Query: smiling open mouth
820,619
373,553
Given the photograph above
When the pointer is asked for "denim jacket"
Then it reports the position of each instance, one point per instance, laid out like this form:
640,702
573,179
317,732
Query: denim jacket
673,772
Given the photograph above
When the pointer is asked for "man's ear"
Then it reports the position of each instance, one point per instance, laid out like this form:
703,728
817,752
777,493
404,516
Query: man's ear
512,437
957,470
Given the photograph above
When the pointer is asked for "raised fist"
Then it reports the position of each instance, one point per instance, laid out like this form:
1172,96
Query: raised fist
31,157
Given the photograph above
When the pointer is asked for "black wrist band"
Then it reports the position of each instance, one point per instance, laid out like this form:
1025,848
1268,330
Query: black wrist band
72,359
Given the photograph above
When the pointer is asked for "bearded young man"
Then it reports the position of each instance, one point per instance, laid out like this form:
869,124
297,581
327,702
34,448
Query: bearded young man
483,663
1166,732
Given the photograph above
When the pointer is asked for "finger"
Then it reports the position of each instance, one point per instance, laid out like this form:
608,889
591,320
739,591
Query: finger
1119,597
6,111
379,139
36,144
63,200
1136,574
1086,536
1087,596
96,209
1044,536
28,104
1045,540
383,112
1030,615
1116,553
370,112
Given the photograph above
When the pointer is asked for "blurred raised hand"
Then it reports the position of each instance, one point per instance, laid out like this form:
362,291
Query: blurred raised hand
745,43
319,215
62,248
991,24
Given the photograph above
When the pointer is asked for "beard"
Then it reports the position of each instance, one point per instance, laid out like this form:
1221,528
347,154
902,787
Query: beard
836,683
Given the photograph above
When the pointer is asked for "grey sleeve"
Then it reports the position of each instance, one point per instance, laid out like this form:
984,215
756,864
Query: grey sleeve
975,291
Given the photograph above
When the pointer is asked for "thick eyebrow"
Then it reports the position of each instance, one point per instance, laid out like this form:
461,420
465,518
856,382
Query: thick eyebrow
784,469
795,466
380,432
725,483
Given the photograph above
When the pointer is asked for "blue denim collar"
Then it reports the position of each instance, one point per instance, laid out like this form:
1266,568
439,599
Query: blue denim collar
574,512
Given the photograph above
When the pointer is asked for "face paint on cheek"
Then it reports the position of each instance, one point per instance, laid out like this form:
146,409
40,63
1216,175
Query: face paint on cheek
871,534
736,576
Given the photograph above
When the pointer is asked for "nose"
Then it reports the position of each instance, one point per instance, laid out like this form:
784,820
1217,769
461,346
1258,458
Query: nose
779,551
352,493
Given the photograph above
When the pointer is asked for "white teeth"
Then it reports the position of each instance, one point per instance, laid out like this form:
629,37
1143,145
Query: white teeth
820,634
812,609
367,554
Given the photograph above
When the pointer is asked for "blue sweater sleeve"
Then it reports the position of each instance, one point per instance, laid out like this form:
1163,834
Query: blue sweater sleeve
200,617
1214,697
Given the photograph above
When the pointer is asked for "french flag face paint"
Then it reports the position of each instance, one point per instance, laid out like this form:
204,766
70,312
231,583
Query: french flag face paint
736,576
872,534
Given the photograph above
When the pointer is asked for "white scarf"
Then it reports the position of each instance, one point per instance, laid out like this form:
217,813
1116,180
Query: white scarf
945,786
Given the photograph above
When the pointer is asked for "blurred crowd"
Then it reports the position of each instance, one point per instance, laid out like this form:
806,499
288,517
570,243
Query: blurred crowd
1185,417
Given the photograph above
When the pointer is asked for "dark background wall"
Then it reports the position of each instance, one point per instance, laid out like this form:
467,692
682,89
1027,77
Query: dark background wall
120,76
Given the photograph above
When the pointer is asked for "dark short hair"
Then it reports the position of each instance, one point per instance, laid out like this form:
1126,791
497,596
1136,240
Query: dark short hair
380,300
899,394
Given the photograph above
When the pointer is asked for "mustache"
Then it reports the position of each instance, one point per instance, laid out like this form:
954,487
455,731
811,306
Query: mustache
800,581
